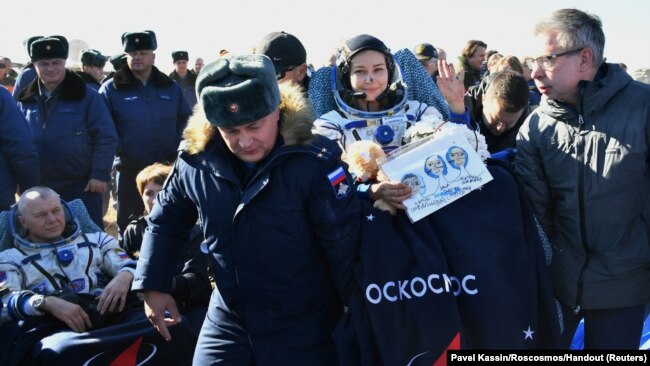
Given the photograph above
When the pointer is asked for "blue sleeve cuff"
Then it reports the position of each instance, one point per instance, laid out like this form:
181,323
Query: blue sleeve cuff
462,119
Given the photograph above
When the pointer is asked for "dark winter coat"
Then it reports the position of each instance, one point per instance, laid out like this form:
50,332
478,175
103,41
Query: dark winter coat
283,242
75,134
587,173
149,119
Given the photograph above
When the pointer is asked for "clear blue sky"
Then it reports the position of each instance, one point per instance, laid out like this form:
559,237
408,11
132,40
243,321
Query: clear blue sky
204,27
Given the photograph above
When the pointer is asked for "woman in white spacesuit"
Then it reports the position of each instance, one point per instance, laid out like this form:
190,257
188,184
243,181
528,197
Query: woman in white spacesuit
372,104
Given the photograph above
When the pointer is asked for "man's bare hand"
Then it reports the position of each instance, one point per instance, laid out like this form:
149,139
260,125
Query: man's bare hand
114,295
155,305
96,185
71,314
391,193
451,86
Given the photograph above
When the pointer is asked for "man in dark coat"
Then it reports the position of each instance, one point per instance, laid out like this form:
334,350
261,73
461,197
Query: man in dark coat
279,216
72,127
498,107
184,77
92,68
149,112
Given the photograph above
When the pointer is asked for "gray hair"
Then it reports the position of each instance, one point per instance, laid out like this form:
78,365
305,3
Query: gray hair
32,194
575,29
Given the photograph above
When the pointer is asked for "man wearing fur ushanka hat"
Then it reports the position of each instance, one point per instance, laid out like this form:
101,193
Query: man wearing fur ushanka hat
279,216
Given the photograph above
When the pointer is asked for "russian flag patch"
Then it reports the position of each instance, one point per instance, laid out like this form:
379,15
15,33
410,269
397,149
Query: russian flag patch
339,181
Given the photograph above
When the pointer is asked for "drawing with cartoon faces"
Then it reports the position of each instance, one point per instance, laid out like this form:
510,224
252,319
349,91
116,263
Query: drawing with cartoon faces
415,182
434,167
457,158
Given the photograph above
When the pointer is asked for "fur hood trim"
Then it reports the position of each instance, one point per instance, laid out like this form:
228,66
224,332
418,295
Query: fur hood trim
71,88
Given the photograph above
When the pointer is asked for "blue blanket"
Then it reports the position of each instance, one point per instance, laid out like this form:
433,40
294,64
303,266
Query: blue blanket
472,275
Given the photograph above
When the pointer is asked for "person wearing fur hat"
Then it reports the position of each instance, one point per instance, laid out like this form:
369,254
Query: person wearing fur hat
28,73
72,127
279,215
150,113
373,105
185,78
92,68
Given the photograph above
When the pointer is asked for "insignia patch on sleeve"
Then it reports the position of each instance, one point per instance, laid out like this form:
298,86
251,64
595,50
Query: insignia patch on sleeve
340,183
41,288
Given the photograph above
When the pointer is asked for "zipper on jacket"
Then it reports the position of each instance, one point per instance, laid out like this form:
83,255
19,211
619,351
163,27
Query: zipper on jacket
581,202
91,283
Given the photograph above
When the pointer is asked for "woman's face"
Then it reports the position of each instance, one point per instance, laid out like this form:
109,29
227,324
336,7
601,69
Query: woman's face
149,193
369,74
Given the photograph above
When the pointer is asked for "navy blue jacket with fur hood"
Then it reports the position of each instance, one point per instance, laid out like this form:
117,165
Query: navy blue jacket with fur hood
76,138
283,245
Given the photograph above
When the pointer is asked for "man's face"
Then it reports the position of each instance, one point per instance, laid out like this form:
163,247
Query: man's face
140,61
253,141
431,66
44,218
96,71
51,71
560,80
180,66
477,58
495,118
149,193
7,61
369,74
198,65
295,75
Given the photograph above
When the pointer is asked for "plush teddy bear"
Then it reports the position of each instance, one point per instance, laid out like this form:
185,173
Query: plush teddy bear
363,158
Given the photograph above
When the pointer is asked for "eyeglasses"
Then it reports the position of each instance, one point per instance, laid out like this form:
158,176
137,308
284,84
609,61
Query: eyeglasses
430,62
547,62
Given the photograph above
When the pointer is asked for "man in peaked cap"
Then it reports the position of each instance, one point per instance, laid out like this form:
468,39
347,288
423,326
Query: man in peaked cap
150,114
288,55
249,151
72,127
185,78
92,67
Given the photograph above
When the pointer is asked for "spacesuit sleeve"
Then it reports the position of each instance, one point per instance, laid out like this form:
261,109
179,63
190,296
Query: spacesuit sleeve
12,295
114,258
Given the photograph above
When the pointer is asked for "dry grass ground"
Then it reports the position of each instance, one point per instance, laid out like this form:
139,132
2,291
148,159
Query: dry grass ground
110,220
